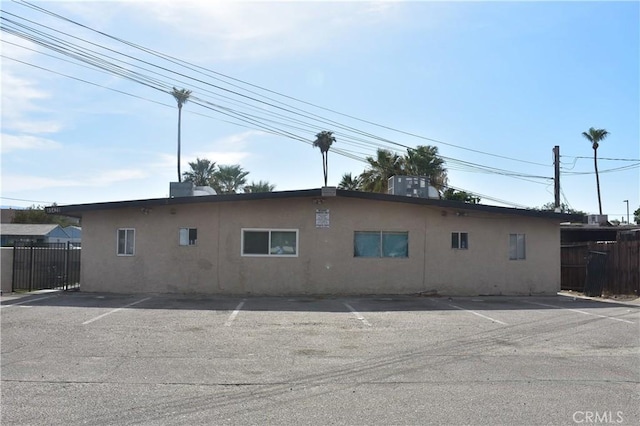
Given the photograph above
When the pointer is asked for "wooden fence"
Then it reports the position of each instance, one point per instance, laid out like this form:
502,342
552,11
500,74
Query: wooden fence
622,268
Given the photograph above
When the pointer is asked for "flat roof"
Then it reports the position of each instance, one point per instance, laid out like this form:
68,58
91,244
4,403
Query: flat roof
76,210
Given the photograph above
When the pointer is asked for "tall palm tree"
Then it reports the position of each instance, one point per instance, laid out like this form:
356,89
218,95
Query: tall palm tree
181,96
201,172
386,164
349,182
229,179
260,186
425,161
595,136
324,140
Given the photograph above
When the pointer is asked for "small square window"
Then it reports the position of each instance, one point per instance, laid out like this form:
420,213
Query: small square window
188,236
459,240
126,242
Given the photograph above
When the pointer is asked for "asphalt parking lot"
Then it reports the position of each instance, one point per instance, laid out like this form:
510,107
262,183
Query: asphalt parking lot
105,359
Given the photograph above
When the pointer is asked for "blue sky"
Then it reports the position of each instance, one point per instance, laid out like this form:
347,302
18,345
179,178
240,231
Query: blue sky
496,84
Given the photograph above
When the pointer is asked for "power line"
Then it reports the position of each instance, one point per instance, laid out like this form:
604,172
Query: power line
182,63
602,158
29,201
348,134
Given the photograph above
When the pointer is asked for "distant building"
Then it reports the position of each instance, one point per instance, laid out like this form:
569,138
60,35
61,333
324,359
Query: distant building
38,233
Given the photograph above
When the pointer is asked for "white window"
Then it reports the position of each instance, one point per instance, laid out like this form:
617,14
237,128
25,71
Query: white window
188,236
126,241
517,247
269,242
459,240
380,244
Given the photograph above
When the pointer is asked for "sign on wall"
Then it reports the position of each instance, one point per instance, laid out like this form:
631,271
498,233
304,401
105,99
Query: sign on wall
322,218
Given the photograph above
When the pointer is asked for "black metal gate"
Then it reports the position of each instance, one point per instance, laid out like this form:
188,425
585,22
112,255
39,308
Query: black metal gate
38,266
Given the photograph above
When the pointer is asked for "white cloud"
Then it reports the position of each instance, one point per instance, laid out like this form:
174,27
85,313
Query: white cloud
14,143
221,157
238,139
14,183
22,97
237,30
109,177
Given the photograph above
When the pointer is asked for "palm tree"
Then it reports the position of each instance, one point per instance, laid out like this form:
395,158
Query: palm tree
350,183
229,179
424,161
260,186
324,140
181,97
201,173
464,196
381,168
595,136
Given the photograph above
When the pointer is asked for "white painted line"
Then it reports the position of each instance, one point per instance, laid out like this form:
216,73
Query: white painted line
357,315
114,311
478,314
26,301
581,312
234,314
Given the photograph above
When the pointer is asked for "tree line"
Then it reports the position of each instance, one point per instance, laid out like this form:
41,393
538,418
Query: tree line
419,161
225,179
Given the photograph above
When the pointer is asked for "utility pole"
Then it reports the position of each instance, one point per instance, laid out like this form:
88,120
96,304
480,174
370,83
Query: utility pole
627,201
556,176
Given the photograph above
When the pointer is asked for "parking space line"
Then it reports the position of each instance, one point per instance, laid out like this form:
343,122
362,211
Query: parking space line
114,311
357,314
478,314
234,314
26,301
581,312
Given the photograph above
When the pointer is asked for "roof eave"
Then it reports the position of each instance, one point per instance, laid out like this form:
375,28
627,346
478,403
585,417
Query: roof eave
76,210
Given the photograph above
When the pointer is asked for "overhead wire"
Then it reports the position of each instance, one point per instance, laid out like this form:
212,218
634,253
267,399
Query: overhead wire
135,77
194,67
257,117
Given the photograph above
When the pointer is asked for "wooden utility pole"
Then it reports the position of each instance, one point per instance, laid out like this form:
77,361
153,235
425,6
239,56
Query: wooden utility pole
556,176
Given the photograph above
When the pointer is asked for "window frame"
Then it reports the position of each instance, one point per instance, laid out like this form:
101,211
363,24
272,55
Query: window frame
381,248
270,231
520,248
126,240
459,241
189,240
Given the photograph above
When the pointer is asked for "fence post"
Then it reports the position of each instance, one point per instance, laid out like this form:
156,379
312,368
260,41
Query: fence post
66,266
13,274
31,267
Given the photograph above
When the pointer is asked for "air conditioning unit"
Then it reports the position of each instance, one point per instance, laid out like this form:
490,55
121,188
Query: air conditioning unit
411,186
597,219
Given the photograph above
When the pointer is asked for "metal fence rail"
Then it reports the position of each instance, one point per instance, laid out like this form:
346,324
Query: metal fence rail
38,266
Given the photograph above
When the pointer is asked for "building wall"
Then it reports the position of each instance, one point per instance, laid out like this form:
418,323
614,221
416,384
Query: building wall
325,264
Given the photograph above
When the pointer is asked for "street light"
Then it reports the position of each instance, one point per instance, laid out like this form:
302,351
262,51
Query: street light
627,201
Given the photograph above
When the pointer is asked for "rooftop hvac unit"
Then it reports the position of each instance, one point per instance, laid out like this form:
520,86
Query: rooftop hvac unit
411,186
597,219
180,189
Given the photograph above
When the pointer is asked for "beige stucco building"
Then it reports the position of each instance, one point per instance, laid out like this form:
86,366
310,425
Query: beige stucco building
314,242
